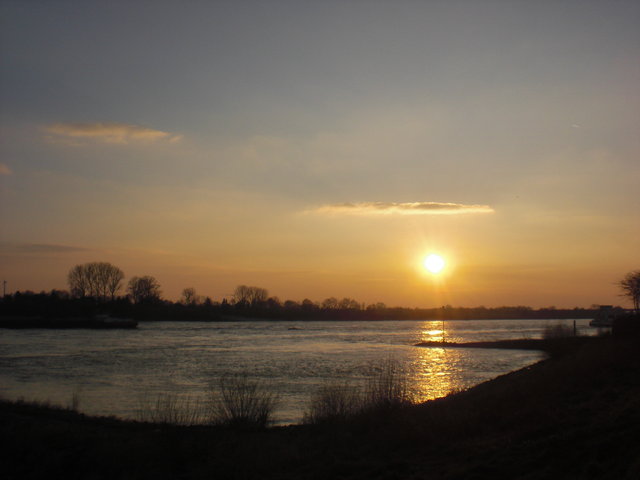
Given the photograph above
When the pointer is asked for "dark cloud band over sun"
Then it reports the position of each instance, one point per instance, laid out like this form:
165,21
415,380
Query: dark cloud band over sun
408,208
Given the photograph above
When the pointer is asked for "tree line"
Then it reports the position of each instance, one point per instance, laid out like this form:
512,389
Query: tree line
95,288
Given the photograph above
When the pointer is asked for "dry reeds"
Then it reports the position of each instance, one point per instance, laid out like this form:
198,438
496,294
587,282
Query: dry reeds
333,402
242,402
169,409
558,330
385,388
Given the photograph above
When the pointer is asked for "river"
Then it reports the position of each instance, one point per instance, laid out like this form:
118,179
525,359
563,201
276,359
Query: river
114,372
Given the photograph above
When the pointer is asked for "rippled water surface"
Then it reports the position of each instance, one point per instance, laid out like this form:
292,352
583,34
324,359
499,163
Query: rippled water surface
112,371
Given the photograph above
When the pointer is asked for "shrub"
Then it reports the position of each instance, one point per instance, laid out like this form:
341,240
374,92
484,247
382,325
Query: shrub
387,386
242,402
333,402
558,330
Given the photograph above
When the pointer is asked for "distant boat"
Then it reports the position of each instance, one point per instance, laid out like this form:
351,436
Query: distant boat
604,318
95,322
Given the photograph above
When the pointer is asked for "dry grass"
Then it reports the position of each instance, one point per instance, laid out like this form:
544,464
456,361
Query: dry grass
169,409
242,402
385,388
74,403
334,402
234,401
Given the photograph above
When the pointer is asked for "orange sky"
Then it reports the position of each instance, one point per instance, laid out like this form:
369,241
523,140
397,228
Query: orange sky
325,152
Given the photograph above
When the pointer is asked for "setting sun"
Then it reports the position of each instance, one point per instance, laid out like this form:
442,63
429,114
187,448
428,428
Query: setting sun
434,263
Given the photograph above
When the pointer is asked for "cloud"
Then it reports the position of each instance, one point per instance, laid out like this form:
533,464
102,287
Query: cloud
393,208
74,134
5,170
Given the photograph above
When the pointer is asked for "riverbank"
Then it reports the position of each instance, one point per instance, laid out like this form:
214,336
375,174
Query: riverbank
576,415
553,346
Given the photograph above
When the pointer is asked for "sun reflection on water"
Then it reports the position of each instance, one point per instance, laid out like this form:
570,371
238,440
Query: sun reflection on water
434,372
431,335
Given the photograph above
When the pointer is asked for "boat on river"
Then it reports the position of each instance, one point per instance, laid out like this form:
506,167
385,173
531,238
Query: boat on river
605,316
94,322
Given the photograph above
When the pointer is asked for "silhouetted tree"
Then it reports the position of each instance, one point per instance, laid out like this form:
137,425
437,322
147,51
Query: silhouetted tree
291,305
260,295
330,303
224,305
630,286
307,305
241,295
144,289
100,280
190,297
348,304
273,303
376,306
244,295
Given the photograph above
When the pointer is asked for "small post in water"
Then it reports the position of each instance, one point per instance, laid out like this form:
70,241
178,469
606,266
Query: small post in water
443,330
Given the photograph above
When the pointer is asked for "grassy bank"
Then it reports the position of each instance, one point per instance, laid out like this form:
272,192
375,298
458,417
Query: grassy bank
575,415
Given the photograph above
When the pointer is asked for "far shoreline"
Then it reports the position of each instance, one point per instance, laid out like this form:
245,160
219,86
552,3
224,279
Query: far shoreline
17,322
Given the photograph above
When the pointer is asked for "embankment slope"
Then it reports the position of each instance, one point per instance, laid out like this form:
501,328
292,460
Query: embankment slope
575,415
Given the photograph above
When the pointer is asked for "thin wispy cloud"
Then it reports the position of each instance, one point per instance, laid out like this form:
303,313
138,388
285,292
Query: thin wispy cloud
77,134
5,170
409,208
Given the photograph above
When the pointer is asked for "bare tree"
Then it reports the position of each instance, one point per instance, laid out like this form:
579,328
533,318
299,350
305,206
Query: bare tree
190,297
258,295
630,286
144,289
245,295
78,281
109,279
100,280
330,303
348,304
241,295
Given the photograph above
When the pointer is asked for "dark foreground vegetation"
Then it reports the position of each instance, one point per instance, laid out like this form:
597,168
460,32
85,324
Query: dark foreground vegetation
575,415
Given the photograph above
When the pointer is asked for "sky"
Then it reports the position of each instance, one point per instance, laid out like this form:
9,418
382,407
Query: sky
321,149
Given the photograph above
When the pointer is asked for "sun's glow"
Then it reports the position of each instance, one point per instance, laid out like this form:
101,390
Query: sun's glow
434,263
